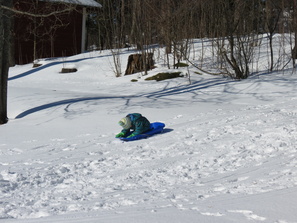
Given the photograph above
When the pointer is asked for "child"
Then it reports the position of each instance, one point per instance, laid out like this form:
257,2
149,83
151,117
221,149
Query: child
136,122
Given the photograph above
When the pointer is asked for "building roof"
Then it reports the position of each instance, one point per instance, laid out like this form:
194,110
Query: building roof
89,3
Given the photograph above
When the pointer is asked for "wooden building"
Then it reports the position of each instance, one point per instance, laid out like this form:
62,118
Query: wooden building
59,30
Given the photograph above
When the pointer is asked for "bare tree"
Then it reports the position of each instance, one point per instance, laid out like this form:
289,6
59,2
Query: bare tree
235,37
272,16
294,28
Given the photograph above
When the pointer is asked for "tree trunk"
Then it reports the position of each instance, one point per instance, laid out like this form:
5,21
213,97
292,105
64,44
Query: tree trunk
5,41
294,51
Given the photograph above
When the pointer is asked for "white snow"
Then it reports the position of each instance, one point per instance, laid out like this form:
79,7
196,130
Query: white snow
228,154
90,3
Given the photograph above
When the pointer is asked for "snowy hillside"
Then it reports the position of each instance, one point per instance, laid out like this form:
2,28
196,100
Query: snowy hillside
228,153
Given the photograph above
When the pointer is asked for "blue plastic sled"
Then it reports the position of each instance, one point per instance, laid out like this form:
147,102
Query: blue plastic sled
156,127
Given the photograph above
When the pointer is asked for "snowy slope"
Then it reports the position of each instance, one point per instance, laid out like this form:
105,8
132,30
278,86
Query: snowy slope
228,153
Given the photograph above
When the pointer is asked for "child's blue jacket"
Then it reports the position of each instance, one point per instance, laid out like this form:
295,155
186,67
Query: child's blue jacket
139,123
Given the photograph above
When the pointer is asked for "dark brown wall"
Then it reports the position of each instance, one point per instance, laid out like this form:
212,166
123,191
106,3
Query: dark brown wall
66,39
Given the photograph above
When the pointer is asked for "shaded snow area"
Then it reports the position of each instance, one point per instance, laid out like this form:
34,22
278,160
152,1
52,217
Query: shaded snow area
228,152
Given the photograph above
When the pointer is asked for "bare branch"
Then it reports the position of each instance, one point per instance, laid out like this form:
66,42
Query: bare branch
36,15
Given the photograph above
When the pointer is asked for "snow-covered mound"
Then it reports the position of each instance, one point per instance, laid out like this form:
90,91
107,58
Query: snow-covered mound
228,153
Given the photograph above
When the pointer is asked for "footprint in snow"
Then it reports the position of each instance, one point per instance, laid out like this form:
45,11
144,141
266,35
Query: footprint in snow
14,151
178,116
212,214
248,214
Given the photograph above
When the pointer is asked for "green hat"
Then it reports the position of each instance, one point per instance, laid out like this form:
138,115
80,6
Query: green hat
125,123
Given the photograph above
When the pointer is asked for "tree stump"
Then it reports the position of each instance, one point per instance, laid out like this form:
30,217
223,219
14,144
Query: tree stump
139,62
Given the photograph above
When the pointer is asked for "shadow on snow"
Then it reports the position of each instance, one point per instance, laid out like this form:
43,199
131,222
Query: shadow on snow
58,103
155,95
34,70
